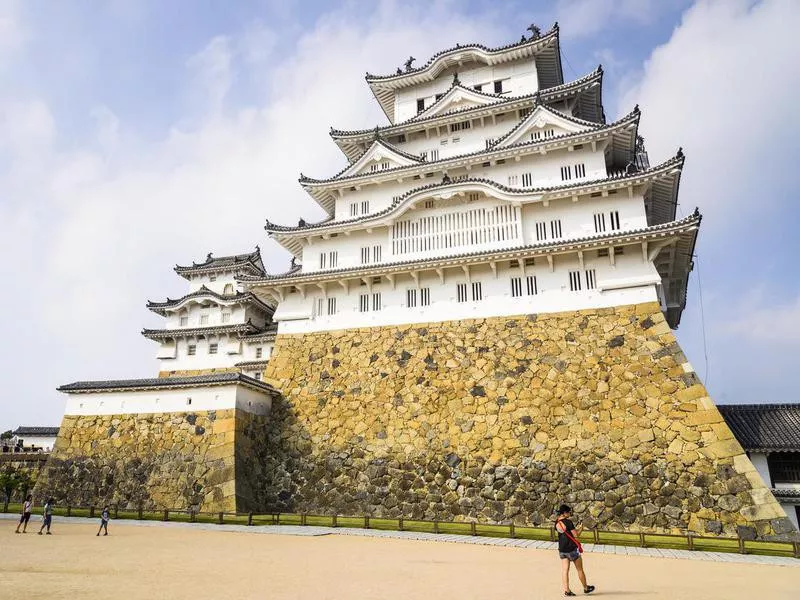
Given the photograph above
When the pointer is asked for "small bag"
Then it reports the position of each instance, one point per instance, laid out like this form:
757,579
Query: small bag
566,533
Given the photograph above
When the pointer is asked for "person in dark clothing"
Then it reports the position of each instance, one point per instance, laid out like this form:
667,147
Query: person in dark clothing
570,549
104,519
26,514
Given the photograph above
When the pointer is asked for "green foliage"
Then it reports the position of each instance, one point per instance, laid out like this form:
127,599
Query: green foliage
6,435
12,478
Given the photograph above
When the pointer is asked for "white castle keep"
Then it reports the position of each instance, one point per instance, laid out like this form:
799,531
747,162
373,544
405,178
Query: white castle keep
497,189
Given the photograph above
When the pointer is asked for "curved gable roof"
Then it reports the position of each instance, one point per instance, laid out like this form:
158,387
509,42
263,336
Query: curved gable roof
540,116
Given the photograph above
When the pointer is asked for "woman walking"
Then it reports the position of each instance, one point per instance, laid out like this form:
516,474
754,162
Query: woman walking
47,516
104,518
570,549
26,514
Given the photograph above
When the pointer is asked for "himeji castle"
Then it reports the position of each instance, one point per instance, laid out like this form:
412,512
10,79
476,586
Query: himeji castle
496,189
479,329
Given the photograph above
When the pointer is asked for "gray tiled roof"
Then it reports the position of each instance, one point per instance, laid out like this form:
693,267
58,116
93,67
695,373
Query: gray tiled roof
164,383
44,431
765,427
240,328
159,307
251,261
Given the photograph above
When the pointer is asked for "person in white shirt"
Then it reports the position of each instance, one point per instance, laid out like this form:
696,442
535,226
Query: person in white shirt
26,514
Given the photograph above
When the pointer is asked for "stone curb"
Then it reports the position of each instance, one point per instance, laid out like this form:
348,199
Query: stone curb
314,530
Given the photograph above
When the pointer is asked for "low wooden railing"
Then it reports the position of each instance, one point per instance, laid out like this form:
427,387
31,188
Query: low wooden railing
687,541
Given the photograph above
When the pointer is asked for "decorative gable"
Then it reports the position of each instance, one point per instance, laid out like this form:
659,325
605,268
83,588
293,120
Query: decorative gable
457,98
543,123
380,156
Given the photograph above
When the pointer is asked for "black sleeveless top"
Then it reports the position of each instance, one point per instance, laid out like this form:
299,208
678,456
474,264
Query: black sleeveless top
564,543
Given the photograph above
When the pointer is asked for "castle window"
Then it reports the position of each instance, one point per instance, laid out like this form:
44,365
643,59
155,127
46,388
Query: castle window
490,142
516,287
498,86
566,173
461,292
226,317
477,291
527,179
425,296
376,253
364,207
257,375
574,281
473,197
365,255
513,180
428,203
323,260
228,289
212,277
524,112
191,349
591,279
354,209
363,303
461,125
478,87
555,228
188,401
212,348
580,170
331,306
259,352
531,285
434,154
456,140
541,230
411,298
376,301
320,306
420,104
184,321
599,222
614,215
333,258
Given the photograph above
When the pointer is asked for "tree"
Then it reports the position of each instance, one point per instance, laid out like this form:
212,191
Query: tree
6,435
9,481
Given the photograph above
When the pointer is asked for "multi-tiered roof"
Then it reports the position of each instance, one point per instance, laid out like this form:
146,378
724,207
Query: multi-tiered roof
573,109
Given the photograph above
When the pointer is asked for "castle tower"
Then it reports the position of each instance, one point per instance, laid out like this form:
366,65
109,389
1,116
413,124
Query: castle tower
480,328
215,327
185,438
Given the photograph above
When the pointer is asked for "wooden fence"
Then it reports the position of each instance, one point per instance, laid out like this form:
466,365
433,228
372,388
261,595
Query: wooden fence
687,541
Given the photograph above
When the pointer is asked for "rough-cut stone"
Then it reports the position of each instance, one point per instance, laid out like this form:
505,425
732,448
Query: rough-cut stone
537,410
207,460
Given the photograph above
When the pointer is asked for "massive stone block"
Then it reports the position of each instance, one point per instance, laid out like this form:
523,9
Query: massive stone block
157,460
502,419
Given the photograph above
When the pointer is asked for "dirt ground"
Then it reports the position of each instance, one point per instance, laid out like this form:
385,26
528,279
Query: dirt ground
159,562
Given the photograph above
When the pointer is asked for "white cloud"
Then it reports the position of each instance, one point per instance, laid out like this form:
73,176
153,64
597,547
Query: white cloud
757,319
12,32
96,229
723,87
579,18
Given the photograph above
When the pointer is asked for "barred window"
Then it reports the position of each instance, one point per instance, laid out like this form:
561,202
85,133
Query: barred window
212,348
364,207
191,349
425,296
580,170
566,173
354,209
331,306
516,287
259,352
461,292
365,255
411,297
477,290
574,281
363,303
376,301
599,222
376,254
532,286
590,279
614,214
555,228
541,231
333,259
527,179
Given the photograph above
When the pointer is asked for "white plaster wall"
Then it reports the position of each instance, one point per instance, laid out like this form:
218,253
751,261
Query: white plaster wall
632,278
229,352
519,77
545,170
218,285
759,460
577,220
169,400
250,350
45,442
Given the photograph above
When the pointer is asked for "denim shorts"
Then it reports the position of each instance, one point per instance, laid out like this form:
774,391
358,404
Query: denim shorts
572,556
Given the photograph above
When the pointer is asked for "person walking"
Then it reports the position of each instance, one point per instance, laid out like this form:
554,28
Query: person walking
47,516
104,519
26,514
570,549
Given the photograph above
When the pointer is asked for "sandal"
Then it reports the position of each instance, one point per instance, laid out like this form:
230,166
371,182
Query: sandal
570,594
589,589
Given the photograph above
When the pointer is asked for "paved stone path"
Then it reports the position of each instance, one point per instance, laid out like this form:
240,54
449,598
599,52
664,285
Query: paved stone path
314,530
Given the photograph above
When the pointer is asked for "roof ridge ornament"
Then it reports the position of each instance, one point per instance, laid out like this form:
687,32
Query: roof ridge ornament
446,179
680,152
376,136
536,33
409,62
456,80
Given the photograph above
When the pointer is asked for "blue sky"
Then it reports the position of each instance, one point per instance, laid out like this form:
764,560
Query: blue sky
139,134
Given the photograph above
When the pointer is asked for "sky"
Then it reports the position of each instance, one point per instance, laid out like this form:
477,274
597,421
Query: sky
137,134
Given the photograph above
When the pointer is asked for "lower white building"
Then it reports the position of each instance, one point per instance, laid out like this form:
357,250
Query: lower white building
770,434
35,438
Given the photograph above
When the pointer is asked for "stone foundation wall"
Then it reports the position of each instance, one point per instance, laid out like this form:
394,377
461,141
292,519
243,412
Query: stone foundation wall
502,419
167,460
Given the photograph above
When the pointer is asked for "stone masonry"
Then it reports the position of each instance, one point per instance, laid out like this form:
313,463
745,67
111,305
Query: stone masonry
166,460
502,419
